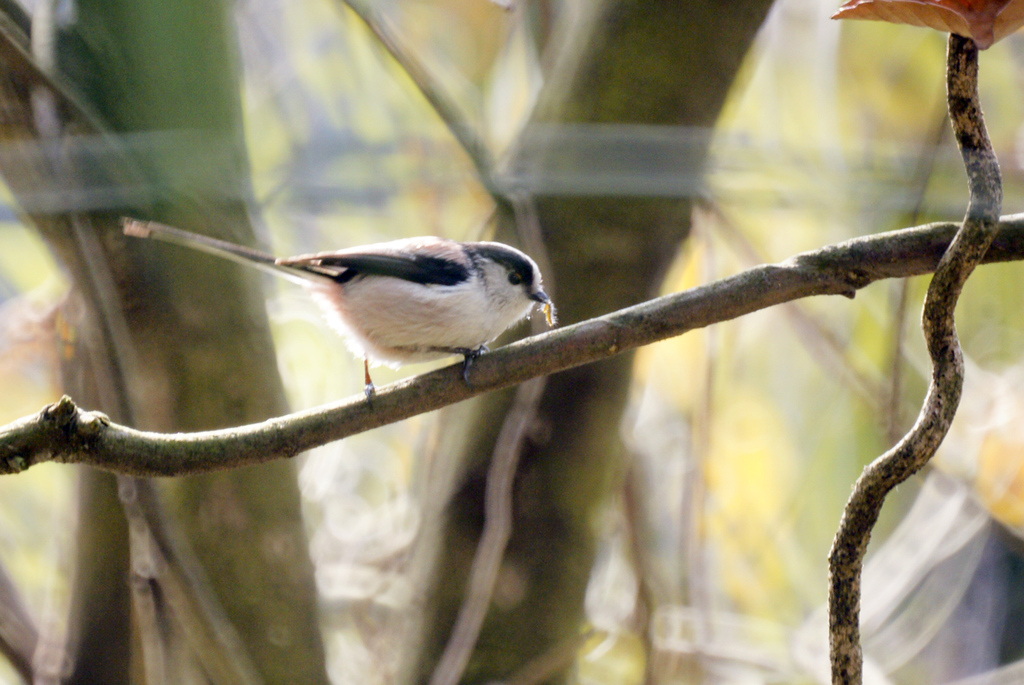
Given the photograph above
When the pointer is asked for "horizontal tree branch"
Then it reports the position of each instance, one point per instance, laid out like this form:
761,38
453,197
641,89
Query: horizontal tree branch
63,433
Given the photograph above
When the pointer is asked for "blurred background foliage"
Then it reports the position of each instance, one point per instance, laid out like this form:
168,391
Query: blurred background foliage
744,438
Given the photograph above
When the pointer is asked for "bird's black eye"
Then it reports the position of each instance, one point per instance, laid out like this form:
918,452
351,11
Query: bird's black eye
515,279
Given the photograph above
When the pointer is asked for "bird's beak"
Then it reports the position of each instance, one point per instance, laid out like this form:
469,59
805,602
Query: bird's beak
546,304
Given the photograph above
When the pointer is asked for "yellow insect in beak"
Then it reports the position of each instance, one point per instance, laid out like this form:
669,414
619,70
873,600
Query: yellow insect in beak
549,313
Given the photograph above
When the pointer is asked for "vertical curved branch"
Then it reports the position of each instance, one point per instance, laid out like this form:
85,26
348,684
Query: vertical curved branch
918,445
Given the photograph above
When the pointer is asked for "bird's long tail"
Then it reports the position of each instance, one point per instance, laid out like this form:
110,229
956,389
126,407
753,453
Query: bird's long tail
219,248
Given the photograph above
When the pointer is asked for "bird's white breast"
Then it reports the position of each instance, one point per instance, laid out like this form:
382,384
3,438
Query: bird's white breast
393,321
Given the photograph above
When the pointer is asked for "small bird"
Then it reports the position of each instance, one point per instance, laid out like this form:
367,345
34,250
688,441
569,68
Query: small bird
402,301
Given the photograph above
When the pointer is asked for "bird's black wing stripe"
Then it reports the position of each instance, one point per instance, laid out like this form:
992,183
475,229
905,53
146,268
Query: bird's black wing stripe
418,269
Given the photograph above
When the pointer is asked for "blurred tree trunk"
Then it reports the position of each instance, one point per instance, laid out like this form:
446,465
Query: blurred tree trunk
192,334
630,62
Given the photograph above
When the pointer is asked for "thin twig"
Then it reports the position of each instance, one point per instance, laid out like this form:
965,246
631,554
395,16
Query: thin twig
451,114
175,573
818,339
919,182
699,592
894,403
497,528
917,446
640,549
18,633
498,498
549,664
61,432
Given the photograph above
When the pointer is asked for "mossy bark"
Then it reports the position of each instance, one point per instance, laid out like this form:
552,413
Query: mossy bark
197,352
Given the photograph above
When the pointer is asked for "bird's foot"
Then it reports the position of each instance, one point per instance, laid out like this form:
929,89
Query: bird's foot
368,388
470,356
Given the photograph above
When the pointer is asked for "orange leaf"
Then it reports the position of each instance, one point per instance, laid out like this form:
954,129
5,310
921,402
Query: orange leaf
986,21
